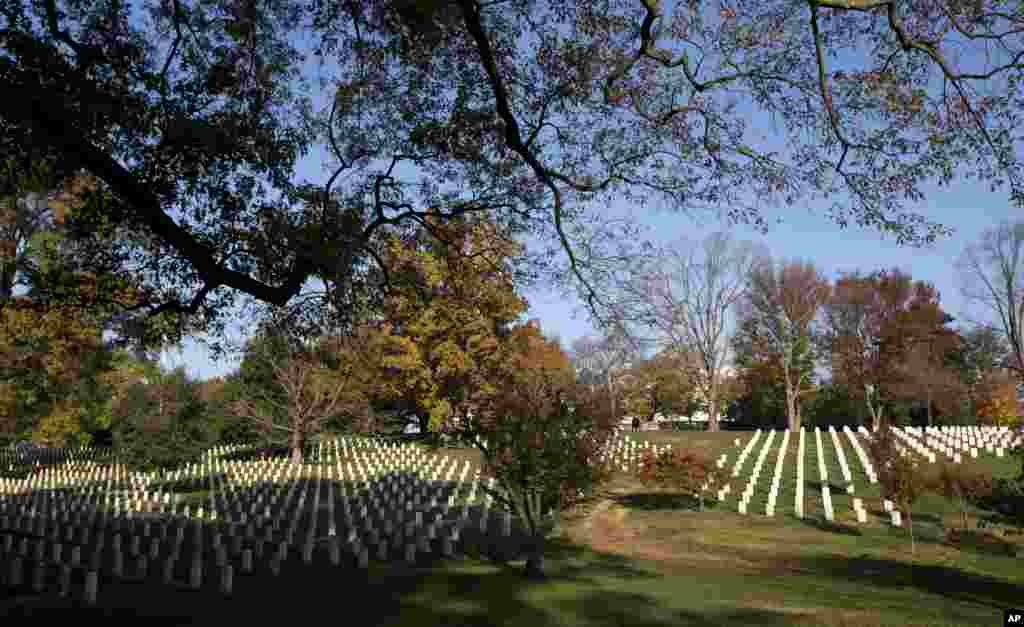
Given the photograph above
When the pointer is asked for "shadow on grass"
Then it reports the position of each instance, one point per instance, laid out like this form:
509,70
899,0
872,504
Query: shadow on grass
980,542
941,580
830,526
434,591
650,501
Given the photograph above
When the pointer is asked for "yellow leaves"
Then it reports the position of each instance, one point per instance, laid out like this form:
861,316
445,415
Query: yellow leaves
59,427
439,414
997,400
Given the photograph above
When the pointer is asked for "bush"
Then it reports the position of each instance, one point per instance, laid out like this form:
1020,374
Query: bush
1006,498
682,425
687,470
962,483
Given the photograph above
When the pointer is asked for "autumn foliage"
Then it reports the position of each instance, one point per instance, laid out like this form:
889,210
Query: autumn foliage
448,303
686,470
901,477
962,483
539,433
996,400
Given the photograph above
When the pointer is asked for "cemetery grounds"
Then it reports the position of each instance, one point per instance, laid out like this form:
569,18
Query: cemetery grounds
630,555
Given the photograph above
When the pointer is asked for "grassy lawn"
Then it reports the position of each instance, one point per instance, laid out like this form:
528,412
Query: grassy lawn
637,557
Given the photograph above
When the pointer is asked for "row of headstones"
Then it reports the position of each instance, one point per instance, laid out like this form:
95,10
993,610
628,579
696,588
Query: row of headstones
92,501
957,441
862,455
773,490
137,498
738,465
43,456
165,495
747,494
748,490
826,491
623,454
988,437
726,488
844,468
116,558
331,500
79,462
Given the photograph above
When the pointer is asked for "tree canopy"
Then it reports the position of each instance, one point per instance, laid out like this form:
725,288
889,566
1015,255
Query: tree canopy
192,116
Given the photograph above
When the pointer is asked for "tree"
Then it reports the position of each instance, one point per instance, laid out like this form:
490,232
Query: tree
866,338
540,437
761,400
926,364
219,394
182,110
23,214
992,271
662,384
900,476
311,384
49,353
449,310
689,301
601,360
162,425
996,402
834,404
978,357
782,301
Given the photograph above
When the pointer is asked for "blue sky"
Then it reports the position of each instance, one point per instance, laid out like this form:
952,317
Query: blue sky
805,233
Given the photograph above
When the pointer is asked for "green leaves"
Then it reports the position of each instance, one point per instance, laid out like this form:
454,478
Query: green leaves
162,425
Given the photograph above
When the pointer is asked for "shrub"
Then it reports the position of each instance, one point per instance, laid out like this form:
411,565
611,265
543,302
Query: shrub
681,469
900,476
963,483
1006,498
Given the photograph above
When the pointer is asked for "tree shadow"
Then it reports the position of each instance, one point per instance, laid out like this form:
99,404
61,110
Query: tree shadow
637,610
830,526
936,579
651,501
979,542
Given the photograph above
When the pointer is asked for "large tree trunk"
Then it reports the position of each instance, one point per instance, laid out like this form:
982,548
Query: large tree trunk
713,425
875,411
296,445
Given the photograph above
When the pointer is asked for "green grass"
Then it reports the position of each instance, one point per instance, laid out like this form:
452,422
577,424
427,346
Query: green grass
644,558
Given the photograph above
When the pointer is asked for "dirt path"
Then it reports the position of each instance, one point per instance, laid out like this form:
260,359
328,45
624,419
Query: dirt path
608,527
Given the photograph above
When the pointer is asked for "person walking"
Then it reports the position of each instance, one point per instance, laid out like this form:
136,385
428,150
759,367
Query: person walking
636,423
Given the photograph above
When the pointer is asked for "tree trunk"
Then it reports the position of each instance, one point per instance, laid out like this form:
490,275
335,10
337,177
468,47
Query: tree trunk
910,526
556,523
535,556
792,409
611,394
929,405
296,446
713,425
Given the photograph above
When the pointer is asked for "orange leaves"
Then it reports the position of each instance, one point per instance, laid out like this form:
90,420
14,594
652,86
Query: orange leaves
997,400
687,470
